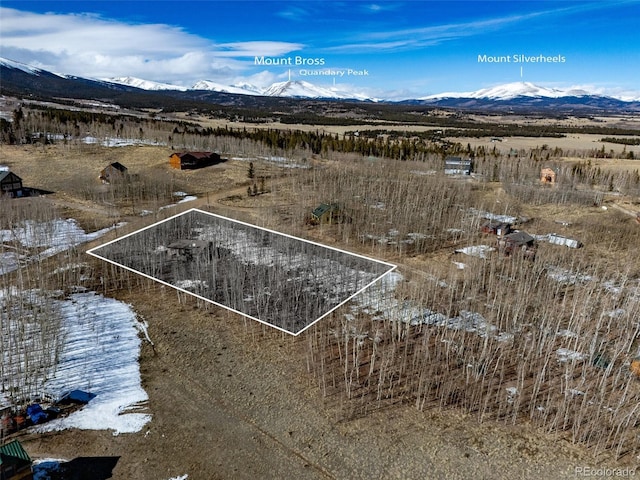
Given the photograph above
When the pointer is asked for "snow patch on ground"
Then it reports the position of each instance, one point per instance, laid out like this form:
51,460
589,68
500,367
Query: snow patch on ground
496,217
564,355
185,198
9,261
563,275
99,355
480,251
57,235
120,142
380,302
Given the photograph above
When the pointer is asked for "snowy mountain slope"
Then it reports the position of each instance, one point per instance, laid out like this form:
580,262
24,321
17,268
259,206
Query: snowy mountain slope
241,89
299,88
143,84
509,91
5,62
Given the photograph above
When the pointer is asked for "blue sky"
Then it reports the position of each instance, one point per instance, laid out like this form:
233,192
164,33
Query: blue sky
403,48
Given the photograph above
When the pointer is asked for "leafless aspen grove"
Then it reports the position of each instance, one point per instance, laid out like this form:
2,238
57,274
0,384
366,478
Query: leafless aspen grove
277,279
547,341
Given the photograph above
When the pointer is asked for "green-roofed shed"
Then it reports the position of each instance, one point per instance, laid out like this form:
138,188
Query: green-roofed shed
15,463
327,213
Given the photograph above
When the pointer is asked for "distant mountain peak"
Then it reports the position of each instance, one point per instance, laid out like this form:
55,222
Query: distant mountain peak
241,89
5,62
509,91
143,84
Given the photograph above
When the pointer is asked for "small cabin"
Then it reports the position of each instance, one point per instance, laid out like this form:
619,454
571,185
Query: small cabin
458,166
193,160
327,213
495,227
518,241
15,463
10,184
547,175
113,172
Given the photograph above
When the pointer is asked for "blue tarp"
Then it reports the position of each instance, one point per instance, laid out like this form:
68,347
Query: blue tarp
36,414
79,396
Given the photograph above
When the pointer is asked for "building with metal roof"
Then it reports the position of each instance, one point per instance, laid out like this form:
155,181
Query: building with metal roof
326,213
15,463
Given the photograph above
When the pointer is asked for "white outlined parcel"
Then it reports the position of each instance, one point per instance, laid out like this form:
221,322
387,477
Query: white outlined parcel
283,281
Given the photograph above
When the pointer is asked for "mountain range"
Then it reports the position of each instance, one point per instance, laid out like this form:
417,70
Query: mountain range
510,96
303,89
291,88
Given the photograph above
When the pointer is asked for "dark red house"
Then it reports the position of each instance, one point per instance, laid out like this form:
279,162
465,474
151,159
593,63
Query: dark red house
193,160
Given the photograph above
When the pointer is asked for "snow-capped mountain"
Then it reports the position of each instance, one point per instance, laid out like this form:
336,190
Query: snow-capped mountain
241,89
143,84
509,91
302,89
294,89
291,88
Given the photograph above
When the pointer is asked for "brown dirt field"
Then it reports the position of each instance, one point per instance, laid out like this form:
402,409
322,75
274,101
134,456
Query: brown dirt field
622,121
570,142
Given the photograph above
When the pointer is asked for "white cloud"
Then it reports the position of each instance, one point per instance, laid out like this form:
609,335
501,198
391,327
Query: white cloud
257,48
91,46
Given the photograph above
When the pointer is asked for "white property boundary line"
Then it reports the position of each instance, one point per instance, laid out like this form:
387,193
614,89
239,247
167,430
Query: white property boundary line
94,254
